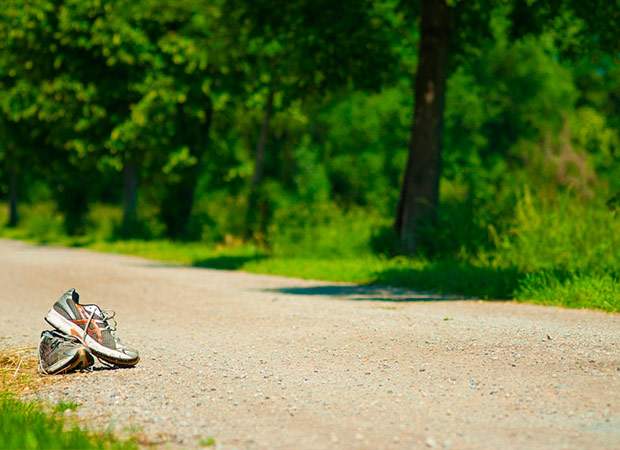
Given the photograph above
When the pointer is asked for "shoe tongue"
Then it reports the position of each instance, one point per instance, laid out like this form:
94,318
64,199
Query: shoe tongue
93,308
75,296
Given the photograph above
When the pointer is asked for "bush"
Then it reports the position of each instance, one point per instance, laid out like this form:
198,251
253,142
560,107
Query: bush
103,221
43,221
322,231
577,290
564,233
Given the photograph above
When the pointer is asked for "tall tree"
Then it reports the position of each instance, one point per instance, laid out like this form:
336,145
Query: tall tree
197,47
307,49
420,189
450,29
30,116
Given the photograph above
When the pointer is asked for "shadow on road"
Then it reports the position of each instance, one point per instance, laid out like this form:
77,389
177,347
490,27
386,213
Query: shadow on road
226,262
436,281
102,368
465,281
368,293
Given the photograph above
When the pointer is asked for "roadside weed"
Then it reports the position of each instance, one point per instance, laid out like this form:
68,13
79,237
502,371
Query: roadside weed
61,407
206,442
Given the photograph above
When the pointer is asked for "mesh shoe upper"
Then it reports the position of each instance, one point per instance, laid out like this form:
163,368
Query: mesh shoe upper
96,324
98,327
59,352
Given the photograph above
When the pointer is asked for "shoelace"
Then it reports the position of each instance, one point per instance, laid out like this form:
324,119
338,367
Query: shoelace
108,319
111,324
90,319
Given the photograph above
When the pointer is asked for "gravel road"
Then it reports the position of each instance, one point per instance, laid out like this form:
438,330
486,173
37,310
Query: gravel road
269,362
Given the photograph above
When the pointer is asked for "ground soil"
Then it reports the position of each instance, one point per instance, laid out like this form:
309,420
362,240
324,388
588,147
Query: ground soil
269,362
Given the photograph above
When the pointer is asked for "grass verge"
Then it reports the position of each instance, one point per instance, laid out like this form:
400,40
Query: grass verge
486,280
29,425
24,425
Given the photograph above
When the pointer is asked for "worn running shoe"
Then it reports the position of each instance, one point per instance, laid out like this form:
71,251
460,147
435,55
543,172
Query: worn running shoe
59,353
94,327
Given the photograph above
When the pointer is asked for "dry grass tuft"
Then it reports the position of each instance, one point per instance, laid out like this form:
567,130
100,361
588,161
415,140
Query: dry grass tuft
18,369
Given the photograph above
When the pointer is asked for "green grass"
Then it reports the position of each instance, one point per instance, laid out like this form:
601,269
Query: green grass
481,280
24,425
64,406
32,425
554,253
572,290
206,442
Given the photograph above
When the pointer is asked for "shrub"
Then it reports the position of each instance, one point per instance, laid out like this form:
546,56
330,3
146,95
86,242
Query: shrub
103,221
577,290
563,233
322,231
43,221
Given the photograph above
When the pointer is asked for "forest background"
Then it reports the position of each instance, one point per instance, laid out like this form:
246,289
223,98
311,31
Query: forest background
279,137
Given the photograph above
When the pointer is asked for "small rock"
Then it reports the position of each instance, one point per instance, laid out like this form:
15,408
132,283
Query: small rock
430,442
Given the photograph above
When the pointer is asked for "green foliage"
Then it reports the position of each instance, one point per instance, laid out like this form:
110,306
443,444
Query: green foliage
489,275
26,426
530,186
322,230
44,221
202,255
61,407
564,234
103,222
206,442
369,132
572,290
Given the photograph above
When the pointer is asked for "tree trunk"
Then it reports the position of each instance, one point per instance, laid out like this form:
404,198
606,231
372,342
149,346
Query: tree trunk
176,207
13,213
420,190
130,196
259,165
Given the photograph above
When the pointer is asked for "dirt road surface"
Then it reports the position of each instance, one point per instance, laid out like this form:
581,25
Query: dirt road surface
269,362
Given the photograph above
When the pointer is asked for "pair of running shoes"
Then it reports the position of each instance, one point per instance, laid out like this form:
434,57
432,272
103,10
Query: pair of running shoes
82,332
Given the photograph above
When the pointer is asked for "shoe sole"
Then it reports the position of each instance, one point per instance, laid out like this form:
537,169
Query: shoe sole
81,360
115,357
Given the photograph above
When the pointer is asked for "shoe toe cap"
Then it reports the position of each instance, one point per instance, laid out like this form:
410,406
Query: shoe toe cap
131,353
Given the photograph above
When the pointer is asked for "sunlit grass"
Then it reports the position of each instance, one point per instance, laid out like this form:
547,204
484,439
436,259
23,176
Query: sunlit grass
31,425
580,290
547,258
577,290
24,425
